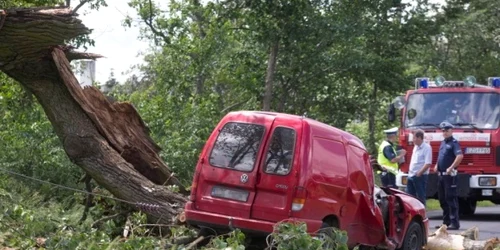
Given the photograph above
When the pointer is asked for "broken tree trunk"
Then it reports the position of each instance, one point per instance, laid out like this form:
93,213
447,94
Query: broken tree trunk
108,140
467,240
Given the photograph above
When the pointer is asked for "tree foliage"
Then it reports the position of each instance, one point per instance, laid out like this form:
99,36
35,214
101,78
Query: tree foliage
340,62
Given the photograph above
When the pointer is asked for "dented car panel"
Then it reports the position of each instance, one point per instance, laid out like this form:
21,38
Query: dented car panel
260,168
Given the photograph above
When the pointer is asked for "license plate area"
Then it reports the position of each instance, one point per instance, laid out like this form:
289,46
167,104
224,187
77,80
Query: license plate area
230,193
487,192
478,150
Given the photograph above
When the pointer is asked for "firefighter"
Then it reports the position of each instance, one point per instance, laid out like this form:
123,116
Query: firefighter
457,112
388,159
449,157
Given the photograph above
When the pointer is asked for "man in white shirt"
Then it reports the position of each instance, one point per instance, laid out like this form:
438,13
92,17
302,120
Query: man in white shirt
421,160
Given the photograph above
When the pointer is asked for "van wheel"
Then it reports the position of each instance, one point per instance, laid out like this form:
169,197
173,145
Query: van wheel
326,235
414,238
366,248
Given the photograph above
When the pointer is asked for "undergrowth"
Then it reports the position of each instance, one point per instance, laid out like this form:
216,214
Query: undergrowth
28,220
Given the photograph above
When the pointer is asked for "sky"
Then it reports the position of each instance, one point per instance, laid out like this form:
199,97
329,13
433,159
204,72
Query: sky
120,45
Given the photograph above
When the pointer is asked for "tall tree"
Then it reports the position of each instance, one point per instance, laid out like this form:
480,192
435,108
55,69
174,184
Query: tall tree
468,41
109,141
384,31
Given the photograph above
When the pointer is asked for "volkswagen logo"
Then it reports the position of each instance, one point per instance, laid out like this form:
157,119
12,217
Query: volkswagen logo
244,178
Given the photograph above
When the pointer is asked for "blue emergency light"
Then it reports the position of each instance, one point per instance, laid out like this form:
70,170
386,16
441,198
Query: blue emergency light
422,83
494,82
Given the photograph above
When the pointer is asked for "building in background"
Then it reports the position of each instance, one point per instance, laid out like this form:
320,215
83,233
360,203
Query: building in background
87,72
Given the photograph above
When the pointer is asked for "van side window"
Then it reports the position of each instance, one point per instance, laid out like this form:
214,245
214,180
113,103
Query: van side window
280,153
236,146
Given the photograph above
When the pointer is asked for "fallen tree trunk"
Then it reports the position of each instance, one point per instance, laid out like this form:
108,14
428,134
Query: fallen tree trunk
109,141
467,240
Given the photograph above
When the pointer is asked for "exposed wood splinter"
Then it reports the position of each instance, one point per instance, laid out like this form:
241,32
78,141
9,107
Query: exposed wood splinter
466,240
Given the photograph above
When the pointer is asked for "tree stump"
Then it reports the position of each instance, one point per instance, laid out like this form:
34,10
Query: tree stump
467,240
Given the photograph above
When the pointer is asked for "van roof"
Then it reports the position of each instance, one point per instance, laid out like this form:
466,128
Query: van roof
315,125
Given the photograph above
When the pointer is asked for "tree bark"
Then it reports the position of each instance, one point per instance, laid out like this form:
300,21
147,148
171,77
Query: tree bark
271,67
109,141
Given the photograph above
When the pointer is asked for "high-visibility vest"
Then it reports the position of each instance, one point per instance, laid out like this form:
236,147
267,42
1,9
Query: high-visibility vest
383,161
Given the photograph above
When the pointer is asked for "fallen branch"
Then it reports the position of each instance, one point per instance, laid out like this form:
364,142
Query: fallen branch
110,217
471,233
179,219
195,242
126,229
88,202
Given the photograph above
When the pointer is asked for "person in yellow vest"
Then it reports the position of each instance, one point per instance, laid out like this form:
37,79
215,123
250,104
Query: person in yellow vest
388,158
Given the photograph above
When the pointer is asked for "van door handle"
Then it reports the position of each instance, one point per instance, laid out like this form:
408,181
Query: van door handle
257,181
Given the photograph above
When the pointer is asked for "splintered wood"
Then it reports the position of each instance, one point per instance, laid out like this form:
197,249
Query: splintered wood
467,240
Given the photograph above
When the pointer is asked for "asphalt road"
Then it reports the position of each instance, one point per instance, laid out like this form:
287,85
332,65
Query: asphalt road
487,219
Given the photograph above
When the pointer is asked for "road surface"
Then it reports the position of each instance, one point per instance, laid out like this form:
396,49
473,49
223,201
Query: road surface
487,219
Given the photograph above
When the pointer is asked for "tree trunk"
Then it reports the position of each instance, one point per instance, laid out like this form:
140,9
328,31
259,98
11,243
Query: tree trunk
371,120
109,141
467,240
271,67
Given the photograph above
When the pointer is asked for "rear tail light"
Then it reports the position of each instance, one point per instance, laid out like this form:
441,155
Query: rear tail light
299,198
192,195
194,185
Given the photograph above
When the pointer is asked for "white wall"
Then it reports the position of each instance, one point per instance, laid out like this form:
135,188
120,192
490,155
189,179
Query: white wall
87,76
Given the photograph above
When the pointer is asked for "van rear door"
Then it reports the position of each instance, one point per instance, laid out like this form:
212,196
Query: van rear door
227,177
276,183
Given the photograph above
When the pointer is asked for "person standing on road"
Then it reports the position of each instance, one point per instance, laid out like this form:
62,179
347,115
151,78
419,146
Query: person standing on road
449,157
420,163
388,158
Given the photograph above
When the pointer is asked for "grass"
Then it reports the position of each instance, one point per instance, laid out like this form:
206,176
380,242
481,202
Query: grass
433,204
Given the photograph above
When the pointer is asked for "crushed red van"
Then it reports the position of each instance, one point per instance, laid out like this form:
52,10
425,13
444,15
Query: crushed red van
260,168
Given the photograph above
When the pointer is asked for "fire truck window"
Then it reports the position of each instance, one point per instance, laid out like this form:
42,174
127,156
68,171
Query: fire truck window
280,153
237,146
479,109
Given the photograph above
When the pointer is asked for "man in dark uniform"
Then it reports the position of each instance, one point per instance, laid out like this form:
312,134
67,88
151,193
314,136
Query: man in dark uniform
449,157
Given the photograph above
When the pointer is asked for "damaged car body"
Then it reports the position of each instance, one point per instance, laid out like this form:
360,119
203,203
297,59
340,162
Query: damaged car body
259,168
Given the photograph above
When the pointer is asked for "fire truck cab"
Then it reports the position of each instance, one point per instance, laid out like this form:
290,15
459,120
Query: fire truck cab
474,110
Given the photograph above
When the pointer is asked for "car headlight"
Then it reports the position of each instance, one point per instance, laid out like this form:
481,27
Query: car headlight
404,180
487,181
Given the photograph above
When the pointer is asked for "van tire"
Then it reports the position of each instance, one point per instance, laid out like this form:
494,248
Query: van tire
366,248
326,234
414,237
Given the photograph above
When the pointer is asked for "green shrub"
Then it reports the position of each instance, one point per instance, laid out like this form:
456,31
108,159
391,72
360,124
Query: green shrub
291,236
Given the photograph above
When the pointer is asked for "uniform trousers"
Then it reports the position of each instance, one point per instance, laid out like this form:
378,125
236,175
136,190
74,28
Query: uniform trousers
448,199
388,179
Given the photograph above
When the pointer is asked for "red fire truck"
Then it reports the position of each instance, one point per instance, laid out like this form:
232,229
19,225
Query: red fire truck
474,110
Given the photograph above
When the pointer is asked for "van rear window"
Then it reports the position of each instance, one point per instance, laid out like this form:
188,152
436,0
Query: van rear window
237,146
280,154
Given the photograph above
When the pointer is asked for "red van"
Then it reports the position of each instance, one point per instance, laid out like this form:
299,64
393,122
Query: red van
260,168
